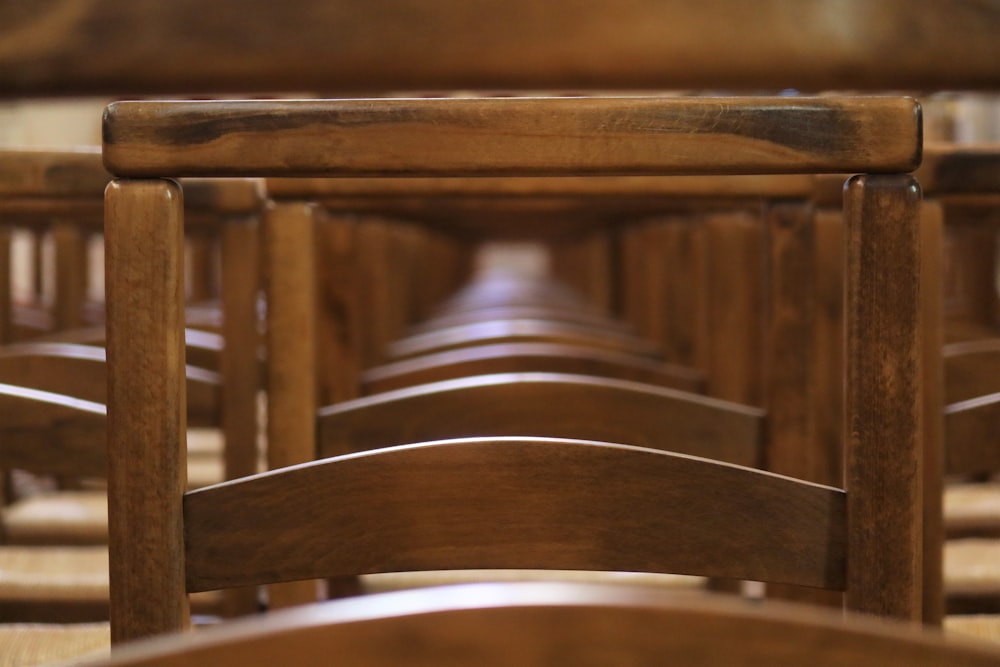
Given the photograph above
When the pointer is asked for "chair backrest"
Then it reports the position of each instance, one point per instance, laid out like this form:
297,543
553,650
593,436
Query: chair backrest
554,136
555,624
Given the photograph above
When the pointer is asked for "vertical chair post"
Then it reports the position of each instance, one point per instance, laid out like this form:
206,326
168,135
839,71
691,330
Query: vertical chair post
144,232
932,301
6,287
240,366
884,395
70,290
291,363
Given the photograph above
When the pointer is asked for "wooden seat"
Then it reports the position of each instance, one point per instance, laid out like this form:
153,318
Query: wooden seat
63,575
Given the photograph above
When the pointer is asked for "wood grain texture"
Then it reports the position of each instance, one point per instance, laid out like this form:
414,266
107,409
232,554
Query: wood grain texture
630,44
752,185
40,173
933,396
529,357
884,394
558,624
550,405
514,503
144,236
496,136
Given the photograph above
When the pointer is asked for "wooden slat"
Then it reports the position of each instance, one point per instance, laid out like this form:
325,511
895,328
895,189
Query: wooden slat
520,331
574,622
784,185
549,405
515,503
950,169
884,394
639,44
66,173
80,371
499,136
51,433
529,357
144,236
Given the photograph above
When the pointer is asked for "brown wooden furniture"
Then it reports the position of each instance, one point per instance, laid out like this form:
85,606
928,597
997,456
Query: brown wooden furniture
650,135
555,624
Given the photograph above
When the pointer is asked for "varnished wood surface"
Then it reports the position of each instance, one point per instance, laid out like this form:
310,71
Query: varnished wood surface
326,189
529,357
514,503
51,433
64,173
81,371
640,44
550,625
950,169
523,331
202,348
582,314
884,474
549,405
568,136
144,237
972,435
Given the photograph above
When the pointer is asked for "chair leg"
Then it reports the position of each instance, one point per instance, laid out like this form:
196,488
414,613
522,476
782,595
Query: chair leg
240,366
144,229
884,395
932,300
291,364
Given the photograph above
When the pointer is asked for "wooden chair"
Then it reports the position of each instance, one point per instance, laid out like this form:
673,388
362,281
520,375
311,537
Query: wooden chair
154,203
555,624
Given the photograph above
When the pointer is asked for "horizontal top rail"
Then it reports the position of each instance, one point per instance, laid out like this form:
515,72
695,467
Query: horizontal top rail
210,46
504,136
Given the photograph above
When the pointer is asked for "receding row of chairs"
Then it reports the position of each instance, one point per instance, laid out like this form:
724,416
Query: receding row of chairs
426,462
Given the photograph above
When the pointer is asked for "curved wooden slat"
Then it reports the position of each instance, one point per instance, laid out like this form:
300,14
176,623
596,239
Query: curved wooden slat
578,315
497,136
529,357
548,624
81,371
972,434
550,405
202,348
43,431
521,331
514,503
